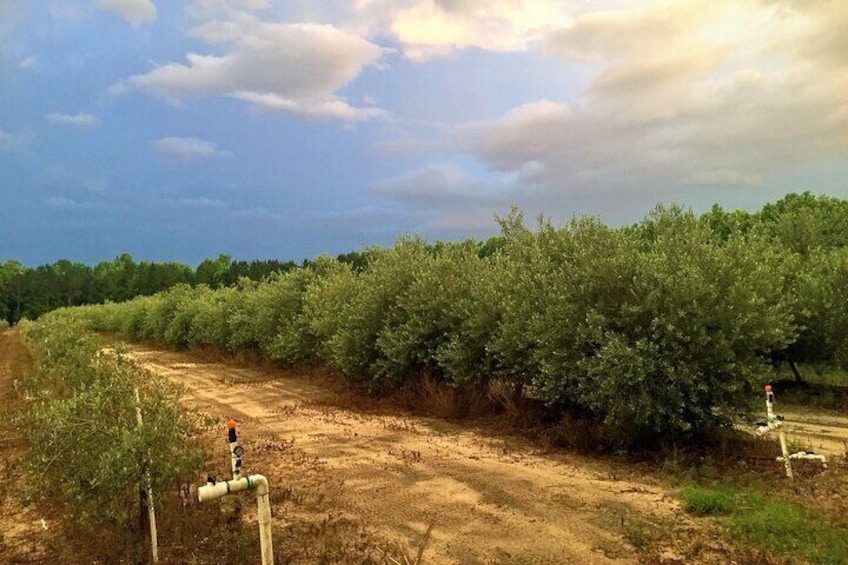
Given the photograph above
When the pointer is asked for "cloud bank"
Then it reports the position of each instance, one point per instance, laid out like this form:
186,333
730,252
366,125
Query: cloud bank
291,67
714,94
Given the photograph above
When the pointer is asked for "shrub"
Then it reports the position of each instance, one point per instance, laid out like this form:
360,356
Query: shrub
325,304
82,430
657,331
441,322
372,312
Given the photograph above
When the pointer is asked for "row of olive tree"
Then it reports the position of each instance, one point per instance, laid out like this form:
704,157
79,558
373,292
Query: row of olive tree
659,329
84,439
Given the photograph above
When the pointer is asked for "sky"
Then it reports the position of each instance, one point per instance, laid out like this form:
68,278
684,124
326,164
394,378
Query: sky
286,129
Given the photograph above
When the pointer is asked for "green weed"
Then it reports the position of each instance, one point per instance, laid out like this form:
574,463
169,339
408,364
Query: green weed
781,528
702,501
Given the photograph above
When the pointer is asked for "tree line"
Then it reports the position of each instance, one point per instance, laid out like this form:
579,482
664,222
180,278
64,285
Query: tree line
30,292
658,331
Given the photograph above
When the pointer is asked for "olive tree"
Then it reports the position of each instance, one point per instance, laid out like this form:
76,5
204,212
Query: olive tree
82,430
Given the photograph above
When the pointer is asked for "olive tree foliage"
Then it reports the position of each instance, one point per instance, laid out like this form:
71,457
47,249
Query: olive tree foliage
325,303
519,289
441,320
359,346
270,318
655,330
294,341
82,430
209,323
417,309
805,222
822,288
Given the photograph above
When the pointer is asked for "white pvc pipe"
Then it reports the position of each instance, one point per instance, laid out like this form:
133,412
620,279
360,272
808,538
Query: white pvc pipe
151,511
773,422
211,491
787,462
235,449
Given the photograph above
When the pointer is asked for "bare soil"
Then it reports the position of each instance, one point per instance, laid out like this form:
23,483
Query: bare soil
488,498
819,433
24,530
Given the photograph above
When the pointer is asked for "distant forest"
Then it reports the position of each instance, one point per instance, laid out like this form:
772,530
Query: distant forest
29,292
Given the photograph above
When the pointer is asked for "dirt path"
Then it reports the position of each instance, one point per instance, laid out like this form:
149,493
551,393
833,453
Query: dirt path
23,530
491,500
826,434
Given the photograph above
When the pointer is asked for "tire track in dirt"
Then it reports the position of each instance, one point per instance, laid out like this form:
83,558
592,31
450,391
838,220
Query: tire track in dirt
492,500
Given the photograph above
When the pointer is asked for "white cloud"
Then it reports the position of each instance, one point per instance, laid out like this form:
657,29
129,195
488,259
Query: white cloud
362,224
188,148
212,9
405,146
698,94
201,202
296,68
135,12
258,214
724,177
67,180
428,28
75,120
329,108
465,221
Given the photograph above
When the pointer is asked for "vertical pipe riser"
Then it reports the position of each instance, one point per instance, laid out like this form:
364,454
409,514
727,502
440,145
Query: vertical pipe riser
265,539
235,449
213,490
151,511
774,422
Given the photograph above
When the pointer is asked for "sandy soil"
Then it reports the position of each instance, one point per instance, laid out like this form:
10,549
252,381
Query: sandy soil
489,499
825,434
24,530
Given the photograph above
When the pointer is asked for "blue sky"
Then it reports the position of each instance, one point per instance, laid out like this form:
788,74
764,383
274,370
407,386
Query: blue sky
180,130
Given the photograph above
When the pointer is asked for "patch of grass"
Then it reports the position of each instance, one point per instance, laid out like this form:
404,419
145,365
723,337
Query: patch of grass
781,528
789,530
702,501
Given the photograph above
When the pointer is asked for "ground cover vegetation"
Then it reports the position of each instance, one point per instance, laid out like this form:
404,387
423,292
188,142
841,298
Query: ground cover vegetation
783,528
660,331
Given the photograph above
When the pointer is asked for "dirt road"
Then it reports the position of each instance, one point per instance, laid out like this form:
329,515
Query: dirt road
489,499
825,434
